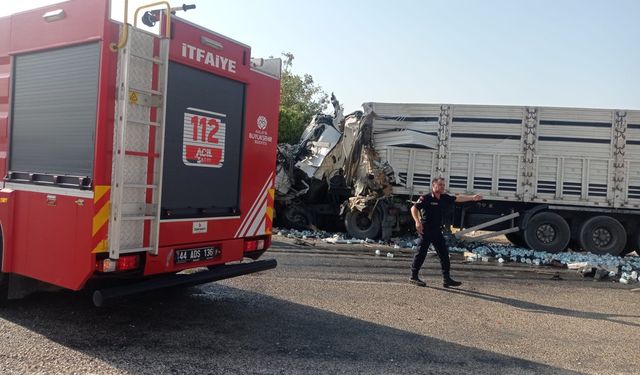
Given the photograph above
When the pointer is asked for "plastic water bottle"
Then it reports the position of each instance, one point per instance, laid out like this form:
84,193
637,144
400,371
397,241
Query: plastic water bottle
624,279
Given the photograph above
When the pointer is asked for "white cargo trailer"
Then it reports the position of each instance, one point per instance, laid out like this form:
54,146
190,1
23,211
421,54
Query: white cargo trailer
572,174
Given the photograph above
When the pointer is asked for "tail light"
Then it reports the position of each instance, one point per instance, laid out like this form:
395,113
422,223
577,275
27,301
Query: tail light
253,245
257,244
124,263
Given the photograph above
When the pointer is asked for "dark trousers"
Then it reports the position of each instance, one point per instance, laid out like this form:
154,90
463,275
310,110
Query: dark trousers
431,237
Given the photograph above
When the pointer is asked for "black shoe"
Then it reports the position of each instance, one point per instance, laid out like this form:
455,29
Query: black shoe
447,282
417,282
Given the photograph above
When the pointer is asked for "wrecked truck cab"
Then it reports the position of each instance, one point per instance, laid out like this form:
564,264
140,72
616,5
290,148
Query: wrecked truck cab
319,138
333,179
310,182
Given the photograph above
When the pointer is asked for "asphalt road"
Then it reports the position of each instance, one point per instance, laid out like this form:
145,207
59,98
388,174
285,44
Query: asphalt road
336,310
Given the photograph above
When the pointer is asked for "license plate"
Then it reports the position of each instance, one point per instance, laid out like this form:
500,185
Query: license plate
196,255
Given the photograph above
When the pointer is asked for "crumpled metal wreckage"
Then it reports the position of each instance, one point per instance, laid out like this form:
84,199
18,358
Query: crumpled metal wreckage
333,172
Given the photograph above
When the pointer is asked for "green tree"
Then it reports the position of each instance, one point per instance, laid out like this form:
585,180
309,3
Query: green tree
300,99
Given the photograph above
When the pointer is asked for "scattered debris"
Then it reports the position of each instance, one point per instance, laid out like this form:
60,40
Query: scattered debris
602,274
302,242
589,272
601,267
578,265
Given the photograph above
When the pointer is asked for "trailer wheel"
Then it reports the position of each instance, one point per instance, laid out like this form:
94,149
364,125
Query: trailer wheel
603,235
516,238
359,225
547,231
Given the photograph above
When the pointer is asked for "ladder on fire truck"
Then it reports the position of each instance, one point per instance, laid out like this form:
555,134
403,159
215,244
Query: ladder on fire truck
138,148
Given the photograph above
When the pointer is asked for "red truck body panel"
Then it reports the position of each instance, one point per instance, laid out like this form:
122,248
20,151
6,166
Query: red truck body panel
55,234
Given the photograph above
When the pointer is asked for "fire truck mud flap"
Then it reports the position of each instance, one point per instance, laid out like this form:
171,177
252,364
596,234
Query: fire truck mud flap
103,297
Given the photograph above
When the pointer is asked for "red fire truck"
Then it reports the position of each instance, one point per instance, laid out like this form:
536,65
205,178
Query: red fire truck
130,155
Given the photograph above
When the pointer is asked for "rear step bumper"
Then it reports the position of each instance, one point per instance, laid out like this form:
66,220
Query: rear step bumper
103,297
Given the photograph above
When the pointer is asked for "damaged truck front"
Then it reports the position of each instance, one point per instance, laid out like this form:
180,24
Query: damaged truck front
332,179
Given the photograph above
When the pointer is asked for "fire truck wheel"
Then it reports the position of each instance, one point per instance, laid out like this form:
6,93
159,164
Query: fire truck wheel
603,235
547,231
360,225
516,238
4,281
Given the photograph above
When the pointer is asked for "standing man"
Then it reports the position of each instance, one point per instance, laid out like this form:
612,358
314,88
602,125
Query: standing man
427,213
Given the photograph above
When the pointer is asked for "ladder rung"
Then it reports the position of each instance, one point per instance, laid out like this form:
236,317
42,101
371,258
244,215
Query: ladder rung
154,59
135,250
139,154
147,123
145,91
140,186
138,218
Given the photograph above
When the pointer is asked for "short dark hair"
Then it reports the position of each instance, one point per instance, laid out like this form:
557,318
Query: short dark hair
436,180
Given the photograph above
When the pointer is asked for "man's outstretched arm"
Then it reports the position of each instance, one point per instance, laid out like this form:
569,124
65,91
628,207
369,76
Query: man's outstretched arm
468,198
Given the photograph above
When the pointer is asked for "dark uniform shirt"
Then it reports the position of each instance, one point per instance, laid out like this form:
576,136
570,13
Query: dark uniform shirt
431,209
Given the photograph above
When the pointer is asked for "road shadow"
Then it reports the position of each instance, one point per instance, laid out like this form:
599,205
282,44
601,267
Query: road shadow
214,329
544,309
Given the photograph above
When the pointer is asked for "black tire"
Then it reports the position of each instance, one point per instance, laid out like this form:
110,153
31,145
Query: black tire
516,238
603,235
296,217
359,225
4,280
547,231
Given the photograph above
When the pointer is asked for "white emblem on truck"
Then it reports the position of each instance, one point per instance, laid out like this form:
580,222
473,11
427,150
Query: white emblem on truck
262,122
203,138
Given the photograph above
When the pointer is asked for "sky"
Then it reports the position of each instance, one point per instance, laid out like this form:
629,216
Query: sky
573,53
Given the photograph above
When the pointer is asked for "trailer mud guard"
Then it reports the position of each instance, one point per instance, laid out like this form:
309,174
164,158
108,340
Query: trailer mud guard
105,296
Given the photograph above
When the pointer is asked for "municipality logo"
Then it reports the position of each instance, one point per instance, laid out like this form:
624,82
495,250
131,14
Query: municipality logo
262,122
